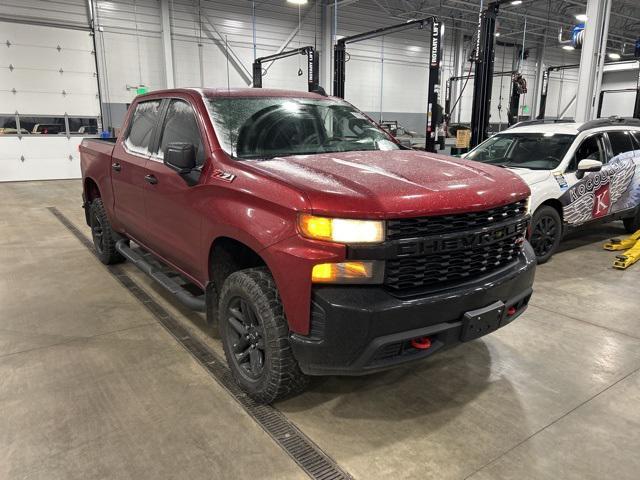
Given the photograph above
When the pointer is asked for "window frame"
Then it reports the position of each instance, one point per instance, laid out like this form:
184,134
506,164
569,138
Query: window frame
159,129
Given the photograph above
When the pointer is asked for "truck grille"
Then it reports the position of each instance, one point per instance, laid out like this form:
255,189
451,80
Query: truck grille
439,268
443,224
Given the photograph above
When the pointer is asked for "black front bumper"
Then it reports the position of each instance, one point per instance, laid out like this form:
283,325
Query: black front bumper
357,330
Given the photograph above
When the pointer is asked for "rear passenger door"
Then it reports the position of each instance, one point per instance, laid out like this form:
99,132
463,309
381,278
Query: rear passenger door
128,168
170,201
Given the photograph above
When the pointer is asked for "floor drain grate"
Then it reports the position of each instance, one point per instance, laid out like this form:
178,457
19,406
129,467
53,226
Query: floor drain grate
298,446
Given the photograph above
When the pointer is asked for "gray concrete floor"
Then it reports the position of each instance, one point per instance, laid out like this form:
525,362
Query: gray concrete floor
91,386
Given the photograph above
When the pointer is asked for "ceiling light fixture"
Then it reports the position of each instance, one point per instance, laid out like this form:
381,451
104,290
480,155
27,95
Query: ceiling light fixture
568,47
497,34
298,2
516,2
614,56
581,17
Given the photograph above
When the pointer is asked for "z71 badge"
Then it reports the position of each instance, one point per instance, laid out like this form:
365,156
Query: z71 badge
224,176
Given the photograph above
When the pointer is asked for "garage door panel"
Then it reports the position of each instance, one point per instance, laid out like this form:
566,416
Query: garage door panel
38,158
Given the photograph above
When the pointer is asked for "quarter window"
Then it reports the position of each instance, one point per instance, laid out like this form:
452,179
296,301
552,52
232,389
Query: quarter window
181,126
620,142
143,123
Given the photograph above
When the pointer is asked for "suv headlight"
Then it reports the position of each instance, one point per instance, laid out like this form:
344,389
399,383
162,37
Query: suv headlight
341,230
527,205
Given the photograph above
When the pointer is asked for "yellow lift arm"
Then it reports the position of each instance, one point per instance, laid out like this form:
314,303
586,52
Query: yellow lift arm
632,246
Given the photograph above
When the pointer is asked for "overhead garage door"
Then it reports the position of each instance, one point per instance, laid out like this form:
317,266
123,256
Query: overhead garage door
48,100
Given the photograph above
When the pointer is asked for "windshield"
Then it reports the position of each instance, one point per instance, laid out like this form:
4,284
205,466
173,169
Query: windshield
263,127
535,151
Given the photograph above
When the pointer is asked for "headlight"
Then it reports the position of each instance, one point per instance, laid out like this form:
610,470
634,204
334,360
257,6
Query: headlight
341,230
348,272
527,205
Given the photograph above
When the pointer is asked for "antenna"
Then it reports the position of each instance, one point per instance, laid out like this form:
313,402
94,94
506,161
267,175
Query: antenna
226,46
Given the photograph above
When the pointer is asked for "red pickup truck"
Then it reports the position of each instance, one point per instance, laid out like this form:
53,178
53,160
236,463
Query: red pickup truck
317,243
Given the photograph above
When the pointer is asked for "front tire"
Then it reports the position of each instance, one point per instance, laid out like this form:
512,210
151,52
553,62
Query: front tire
255,337
104,238
546,232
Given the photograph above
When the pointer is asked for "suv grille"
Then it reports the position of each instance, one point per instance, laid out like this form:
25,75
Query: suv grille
428,226
442,269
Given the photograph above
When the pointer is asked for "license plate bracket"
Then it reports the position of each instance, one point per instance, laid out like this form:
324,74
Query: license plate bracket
478,323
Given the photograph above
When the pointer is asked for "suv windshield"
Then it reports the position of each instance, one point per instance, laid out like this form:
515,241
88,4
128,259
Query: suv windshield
536,151
264,127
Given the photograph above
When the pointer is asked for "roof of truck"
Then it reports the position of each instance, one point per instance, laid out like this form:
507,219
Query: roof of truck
242,92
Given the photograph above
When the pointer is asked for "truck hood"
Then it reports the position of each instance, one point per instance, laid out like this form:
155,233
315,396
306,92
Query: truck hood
531,177
398,183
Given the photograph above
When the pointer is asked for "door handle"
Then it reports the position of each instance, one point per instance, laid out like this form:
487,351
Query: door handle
116,166
151,179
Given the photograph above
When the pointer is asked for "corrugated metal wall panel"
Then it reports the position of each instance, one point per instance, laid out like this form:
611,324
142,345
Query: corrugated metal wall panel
68,12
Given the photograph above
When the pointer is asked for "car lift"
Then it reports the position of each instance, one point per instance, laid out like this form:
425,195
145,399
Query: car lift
339,70
545,87
313,75
631,256
514,99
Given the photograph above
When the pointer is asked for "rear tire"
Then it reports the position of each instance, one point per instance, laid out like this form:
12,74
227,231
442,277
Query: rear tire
104,238
255,337
632,224
546,232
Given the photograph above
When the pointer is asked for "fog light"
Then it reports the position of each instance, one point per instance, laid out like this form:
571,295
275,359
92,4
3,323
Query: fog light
348,272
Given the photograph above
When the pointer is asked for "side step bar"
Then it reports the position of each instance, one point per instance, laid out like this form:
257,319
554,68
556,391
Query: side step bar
186,297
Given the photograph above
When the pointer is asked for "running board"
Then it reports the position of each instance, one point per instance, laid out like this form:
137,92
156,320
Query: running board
186,297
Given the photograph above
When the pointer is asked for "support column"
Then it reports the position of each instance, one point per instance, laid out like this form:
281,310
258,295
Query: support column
326,45
592,58
167,46
535,101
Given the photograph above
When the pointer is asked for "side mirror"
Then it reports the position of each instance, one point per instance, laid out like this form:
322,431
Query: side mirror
587,165
180,157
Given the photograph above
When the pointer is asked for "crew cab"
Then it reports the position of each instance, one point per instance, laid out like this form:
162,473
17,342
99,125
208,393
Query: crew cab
579,173
314,241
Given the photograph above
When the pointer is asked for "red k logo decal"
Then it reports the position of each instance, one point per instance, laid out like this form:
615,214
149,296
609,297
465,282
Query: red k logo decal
602,202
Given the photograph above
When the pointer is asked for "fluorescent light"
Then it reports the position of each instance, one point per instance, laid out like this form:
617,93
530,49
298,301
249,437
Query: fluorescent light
568,47
297,2
581,17
614,56
497,34
414,48
516,2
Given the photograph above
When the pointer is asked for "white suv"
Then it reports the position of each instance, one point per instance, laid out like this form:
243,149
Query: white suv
578,173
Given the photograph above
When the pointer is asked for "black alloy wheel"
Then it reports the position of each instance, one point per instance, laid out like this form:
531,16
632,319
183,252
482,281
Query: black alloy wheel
246,337
546,232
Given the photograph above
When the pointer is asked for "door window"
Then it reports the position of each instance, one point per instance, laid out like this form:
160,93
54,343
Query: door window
620,142
142,126
591,148
635,139
181,125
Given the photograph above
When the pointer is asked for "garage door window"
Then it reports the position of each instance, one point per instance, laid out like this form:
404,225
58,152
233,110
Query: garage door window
181,126
8,125
83,126
142,126
43,125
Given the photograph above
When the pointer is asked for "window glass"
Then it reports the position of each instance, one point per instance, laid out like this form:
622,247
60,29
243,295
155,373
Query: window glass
264,127
591,149
83,126
535,151
8,125
143,123
180,125
620,142
43,125
635,139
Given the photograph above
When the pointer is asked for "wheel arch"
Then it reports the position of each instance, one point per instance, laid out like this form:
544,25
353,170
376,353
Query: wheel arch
228,255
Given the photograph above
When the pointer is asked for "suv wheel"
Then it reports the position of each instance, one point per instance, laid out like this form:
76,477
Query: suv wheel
255,337
632,224
104,238
546,232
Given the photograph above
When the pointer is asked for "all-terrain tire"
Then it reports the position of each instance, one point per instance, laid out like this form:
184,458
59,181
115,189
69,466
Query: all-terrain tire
546,232
632,224
104,238
252,295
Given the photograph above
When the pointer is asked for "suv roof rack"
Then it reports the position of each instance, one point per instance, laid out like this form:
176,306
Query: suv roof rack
542,121
612,121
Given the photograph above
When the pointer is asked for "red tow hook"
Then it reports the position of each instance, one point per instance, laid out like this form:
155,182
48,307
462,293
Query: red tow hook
421,343
511,311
